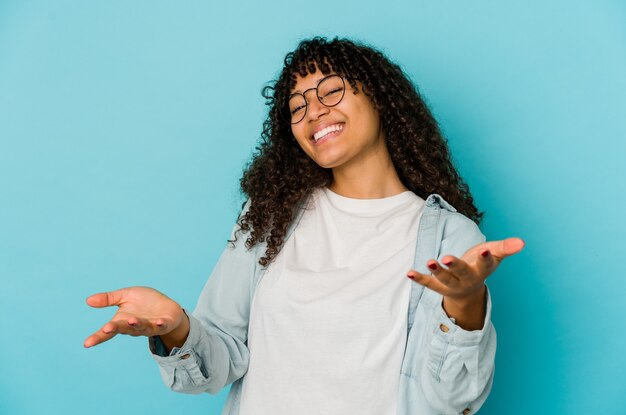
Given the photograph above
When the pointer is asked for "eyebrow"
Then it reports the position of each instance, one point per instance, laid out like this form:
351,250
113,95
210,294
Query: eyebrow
317,81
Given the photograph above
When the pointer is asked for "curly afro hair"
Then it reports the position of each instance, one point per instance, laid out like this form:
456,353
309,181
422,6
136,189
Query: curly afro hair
280,175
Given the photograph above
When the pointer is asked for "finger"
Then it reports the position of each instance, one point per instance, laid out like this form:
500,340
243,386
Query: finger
107,332
428,281
504,248
442,274
106,299
141,326
486,262
132,326
136,326
162,326
459,268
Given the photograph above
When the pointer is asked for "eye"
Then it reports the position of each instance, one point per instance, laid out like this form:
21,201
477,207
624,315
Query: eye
333,92
297,109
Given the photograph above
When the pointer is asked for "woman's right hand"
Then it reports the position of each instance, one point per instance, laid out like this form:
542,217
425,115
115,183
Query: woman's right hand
142,311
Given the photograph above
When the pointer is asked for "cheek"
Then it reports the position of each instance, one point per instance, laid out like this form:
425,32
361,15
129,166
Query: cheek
303,142
372,118
364,110
298,135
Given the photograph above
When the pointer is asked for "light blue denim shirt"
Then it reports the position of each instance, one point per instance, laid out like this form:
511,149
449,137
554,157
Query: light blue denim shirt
445,369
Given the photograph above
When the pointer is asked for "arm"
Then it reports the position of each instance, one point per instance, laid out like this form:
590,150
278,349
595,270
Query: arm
215,353
457,373
196,353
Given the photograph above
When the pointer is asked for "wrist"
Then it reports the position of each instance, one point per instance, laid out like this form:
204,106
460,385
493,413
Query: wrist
178,336
470,301
468,311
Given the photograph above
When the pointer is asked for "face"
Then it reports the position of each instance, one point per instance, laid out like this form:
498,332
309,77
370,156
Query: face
341,135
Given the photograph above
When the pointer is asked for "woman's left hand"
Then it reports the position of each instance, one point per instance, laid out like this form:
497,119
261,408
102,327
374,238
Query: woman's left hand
462,283
465,276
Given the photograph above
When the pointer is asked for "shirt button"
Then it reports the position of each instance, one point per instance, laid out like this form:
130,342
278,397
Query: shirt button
444,328
185,356
466,411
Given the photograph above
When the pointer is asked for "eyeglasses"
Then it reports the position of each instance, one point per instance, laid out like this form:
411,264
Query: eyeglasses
329,90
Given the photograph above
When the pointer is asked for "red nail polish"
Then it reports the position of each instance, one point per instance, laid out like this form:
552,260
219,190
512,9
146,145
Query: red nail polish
432,266
484,254
447,263
409,276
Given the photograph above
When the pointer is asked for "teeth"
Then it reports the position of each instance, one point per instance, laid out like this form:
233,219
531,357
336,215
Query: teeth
336,127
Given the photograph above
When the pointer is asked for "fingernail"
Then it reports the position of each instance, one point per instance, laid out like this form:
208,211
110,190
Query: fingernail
484,254
432,266
447,263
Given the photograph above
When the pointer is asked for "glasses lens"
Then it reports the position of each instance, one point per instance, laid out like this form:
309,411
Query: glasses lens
330,91
297,108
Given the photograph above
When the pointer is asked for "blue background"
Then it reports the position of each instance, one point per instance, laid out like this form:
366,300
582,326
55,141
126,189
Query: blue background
125,126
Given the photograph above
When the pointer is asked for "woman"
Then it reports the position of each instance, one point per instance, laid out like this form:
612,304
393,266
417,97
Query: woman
308,310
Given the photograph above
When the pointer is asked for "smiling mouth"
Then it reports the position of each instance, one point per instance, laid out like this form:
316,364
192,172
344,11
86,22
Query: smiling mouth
327,132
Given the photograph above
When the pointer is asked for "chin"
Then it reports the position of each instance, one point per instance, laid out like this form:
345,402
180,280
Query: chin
329,161
326,164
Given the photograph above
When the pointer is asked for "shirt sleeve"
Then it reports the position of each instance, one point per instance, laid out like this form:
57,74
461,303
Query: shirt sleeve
458,372
215,353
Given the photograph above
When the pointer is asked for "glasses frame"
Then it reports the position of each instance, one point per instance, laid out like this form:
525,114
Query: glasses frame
306,102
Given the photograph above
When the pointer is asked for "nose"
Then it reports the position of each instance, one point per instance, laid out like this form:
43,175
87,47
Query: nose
315,108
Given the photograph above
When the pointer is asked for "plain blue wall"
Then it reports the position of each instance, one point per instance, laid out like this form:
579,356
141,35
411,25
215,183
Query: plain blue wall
125,125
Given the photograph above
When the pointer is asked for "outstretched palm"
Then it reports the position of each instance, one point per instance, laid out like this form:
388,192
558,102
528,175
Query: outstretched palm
464,276
142,311
462,283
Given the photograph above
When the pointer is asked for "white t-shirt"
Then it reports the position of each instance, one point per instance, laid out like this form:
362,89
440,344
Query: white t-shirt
328,320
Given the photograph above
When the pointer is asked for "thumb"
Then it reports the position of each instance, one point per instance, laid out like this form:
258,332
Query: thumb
106,299
506,247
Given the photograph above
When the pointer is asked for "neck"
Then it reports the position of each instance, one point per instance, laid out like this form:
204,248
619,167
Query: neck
372,178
